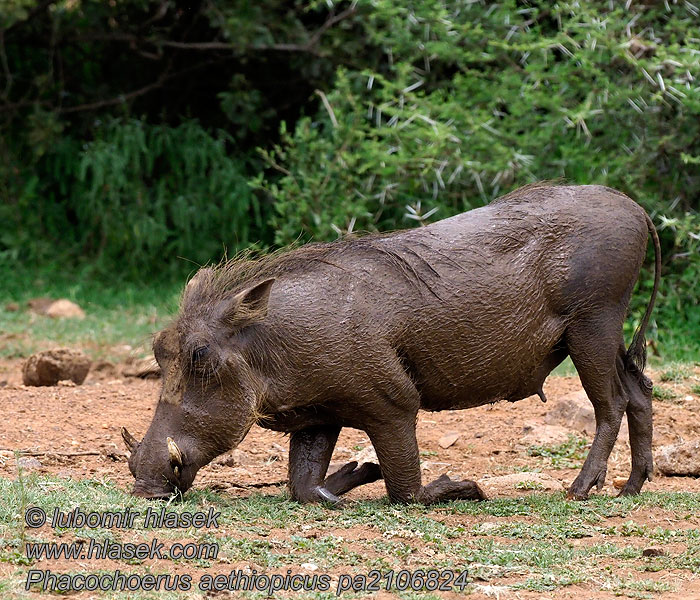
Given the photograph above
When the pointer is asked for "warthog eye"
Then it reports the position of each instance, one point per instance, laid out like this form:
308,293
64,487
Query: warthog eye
199,354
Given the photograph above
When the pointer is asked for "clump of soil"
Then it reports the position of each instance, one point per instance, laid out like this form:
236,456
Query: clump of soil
56,309
679,459
51,366
65,309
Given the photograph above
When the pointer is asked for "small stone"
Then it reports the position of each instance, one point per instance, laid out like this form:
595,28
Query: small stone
29,462
679,459
653,552
309,566
12,307
448,439
65,309
51,366
619,482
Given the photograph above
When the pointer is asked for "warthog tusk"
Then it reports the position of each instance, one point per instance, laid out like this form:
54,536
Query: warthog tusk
130,441
174,453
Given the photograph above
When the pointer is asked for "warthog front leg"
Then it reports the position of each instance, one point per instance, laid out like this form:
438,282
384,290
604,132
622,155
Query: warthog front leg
310,451
397,450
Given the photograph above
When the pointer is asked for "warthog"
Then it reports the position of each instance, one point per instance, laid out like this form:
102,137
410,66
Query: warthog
364,332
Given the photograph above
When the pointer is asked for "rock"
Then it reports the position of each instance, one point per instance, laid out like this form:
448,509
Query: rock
51,366
519,484
679,459
146,368
448,439
366,455
619,482
575,412
29,462
65,309
11,307
105,370
544,435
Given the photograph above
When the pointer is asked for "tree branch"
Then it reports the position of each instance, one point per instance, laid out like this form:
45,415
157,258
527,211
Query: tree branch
42,7
309,46
165,76
121,99
348,12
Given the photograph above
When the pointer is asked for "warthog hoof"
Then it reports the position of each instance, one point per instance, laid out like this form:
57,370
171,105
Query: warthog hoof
444,488
350,476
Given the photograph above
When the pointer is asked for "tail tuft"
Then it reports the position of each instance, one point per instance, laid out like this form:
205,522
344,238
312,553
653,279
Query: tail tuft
637,352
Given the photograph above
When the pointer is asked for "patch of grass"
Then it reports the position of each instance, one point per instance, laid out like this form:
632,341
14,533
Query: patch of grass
695,389
567,455
531,543
529,485
635,588
565,369
115,315
663,393
676,372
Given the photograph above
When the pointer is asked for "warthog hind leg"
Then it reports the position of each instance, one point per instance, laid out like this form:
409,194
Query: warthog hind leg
639,418
594,347
397,450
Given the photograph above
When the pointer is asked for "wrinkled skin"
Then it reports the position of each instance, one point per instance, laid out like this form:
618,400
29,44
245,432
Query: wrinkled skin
363,333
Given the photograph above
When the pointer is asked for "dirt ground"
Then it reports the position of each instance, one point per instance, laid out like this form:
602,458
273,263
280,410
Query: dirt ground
74,431
61,423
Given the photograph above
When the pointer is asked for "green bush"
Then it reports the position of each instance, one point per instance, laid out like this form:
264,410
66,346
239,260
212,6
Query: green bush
136,200
471,102
421,110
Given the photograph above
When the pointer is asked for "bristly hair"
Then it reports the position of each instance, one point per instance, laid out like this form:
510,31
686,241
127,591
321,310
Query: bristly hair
523,193
221,281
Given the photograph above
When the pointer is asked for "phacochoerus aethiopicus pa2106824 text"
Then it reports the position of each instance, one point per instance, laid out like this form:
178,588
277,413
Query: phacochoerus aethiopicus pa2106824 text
365,332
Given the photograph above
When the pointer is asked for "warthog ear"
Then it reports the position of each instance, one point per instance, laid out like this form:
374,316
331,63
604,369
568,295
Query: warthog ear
249,305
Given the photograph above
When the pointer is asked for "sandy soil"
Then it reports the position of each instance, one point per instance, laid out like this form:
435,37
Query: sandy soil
74,431
61,423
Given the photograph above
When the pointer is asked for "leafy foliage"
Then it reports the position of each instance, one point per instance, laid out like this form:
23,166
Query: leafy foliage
135,194
366,115
471,102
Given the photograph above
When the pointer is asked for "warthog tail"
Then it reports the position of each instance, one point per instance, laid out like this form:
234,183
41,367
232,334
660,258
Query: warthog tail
637,352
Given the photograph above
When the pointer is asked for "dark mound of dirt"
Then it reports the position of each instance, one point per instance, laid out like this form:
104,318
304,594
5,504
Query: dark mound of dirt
51,366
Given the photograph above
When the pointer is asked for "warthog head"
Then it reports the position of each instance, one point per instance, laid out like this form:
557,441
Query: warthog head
210,392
